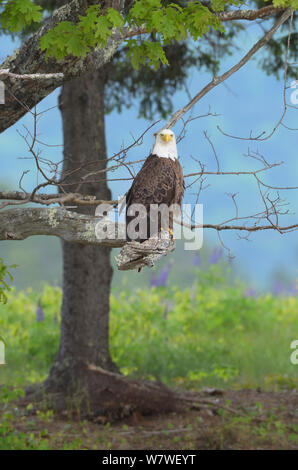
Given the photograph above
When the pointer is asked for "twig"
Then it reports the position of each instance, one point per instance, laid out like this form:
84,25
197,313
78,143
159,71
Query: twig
5,73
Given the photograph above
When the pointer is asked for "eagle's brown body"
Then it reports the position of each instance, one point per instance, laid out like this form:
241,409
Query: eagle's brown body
160,181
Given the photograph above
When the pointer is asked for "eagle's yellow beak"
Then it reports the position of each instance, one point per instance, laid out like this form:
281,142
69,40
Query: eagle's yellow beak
167,137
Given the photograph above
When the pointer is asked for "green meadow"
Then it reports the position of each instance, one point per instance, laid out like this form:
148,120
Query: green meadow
210,334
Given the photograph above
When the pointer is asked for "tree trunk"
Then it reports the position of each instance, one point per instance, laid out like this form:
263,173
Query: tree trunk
87,270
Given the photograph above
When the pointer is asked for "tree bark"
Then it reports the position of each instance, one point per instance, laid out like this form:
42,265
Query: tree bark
19,224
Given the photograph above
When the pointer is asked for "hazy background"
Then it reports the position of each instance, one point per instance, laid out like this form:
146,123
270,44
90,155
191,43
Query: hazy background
248,101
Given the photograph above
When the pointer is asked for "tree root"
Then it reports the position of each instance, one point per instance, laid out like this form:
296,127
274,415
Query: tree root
102,395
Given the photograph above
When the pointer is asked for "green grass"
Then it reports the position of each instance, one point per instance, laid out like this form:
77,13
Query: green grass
207,335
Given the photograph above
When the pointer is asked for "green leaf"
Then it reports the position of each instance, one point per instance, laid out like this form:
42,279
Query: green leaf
135,53
286,3
18,14
115,18
103,30
156,55
77,46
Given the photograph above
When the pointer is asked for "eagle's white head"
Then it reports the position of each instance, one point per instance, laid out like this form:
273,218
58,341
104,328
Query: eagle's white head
165,144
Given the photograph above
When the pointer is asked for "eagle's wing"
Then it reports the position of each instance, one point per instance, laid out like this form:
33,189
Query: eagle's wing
154,184
180,184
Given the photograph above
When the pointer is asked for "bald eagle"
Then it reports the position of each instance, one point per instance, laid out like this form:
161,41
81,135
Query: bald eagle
160,181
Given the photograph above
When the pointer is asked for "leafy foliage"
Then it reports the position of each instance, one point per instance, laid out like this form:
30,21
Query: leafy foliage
286,3
146,52
92,30
169,22
164,21
209,334
17,14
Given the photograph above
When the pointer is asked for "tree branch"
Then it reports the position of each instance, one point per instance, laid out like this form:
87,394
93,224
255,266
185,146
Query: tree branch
245,228
18,224
248,15
22,94
5,73
217,80
48,199
29,77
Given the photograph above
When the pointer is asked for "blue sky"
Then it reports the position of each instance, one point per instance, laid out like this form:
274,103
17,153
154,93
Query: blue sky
250,101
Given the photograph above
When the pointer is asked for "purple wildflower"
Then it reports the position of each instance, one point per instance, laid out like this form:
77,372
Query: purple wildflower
293,290
39,313
215,256
250,292
196,261
153,281
277,288
162,279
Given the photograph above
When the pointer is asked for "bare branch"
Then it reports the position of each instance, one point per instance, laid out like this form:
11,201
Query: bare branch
245,228
249,15
48,199
214,151
285,104
217,80
5,73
